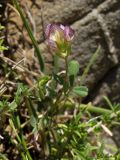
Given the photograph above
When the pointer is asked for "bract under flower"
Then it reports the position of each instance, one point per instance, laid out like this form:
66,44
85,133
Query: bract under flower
59,39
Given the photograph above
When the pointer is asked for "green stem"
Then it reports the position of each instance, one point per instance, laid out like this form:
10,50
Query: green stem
20,138
66,67
25,147
23,156
29,30
90,108
94,109
91,62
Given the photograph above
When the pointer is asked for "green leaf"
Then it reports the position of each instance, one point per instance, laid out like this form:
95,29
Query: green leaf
21,91
51,92
58,78
66,86
71,80
12,106
91,62
33,121
43,81
3,157
73,68
31,108
81,91
14,130
108,102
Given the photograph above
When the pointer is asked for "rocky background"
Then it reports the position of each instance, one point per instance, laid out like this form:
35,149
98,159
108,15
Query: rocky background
96,22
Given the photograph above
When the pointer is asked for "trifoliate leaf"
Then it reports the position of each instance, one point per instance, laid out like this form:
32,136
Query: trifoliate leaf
81,91
73,68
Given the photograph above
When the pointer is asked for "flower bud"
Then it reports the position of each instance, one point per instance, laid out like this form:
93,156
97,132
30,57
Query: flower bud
59,39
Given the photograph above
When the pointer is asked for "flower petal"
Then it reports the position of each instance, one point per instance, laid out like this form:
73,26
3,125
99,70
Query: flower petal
62,27
69,33
51,28
52,44
48,29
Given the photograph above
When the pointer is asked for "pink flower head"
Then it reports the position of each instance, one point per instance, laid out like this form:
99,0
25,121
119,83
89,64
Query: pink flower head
59,39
